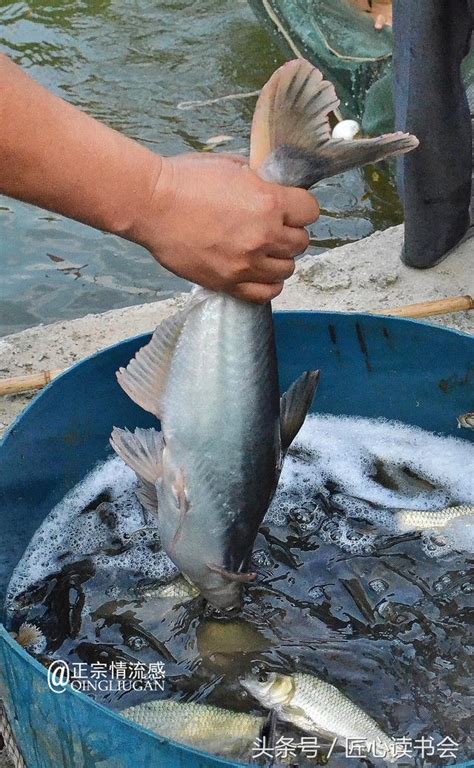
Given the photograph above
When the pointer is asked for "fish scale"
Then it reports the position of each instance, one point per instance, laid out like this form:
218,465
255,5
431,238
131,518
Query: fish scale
416,519
199,725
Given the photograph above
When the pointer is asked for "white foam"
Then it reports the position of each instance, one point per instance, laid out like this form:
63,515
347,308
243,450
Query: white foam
346,451
342,450
68,533
458,535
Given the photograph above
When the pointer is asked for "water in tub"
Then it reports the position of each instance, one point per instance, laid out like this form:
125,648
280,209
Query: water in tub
364,583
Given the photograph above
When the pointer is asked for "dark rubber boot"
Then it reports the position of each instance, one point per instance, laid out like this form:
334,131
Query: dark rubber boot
431,38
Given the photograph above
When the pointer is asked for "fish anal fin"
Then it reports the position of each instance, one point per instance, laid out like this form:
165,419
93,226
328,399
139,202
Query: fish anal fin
294,406
299,717
243,578
291,141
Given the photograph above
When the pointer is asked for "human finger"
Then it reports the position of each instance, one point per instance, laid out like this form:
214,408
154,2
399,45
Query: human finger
259,293
268,269
300,207
292,242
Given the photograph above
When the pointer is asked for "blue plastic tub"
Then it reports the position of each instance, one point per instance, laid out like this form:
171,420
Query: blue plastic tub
371,366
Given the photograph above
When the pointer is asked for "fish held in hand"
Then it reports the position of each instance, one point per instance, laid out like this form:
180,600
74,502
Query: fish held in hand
210,372
317,707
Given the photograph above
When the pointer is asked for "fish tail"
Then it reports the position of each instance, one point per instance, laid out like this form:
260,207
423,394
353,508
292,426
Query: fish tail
291,141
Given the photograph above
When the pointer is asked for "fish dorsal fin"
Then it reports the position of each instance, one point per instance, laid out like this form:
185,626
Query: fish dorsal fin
294,405
141,451
291,139
145,377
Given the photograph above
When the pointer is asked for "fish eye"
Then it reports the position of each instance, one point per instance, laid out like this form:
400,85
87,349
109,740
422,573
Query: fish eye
263,677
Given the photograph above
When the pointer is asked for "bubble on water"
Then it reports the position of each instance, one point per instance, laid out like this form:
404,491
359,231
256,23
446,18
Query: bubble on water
113,592
345,454
141,561
378,585
441,584
339,532
261,559
316,593
137,643
339,453
78,527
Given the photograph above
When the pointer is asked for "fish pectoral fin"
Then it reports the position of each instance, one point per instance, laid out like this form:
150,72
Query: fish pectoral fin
141,451
244,578
180,492
145,377
291,139
294,405
299,717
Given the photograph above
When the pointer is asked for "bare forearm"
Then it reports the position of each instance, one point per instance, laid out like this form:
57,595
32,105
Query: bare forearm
208,219
55,156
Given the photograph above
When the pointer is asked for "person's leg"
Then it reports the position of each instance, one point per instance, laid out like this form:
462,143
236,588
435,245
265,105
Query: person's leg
431,37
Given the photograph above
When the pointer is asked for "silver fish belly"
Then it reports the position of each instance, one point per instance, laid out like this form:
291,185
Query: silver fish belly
221,458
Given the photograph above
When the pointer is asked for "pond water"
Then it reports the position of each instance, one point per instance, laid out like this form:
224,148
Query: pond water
130,64
346,589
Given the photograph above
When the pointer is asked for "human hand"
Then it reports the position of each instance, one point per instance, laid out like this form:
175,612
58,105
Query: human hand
214,222
382,11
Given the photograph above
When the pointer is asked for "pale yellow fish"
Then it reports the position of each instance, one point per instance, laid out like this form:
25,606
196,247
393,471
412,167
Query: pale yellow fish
179,589
205,727
424,519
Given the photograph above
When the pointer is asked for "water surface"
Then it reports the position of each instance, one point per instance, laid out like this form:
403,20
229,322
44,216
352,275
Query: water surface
341,593
130,64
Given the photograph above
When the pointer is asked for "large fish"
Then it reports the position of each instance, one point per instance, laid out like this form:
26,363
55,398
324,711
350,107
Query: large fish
210,371
200,726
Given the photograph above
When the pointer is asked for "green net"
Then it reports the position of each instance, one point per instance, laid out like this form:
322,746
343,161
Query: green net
342,41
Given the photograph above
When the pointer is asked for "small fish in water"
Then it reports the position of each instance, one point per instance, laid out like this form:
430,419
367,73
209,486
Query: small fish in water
424,519
179,589
466,420
210,372
201,726
316,707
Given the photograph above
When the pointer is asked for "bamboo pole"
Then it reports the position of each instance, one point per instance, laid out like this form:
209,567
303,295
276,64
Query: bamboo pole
17,384
429,308
32,381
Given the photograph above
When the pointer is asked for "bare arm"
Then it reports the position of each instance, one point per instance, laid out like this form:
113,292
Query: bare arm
209,219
